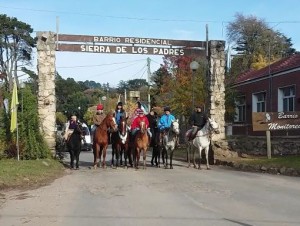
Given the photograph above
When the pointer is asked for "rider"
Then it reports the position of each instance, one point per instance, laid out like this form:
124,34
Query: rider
197,121
166,119
153,126
135,126
70,126
98,118
120,113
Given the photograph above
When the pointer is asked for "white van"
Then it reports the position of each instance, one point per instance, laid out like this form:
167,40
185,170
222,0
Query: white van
87,143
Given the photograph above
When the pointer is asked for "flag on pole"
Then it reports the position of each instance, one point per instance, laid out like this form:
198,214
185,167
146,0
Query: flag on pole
14,108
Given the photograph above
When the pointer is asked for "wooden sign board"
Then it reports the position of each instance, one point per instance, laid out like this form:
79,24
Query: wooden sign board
129,40
164,51
264,121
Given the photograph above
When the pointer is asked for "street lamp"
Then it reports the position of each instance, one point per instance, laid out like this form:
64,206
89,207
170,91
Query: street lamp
79,113
194,65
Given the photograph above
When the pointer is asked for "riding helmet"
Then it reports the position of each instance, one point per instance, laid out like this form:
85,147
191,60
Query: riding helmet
99,107
167,109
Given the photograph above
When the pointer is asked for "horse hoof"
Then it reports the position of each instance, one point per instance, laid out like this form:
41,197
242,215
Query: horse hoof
208,168
77,168
95,166
171,167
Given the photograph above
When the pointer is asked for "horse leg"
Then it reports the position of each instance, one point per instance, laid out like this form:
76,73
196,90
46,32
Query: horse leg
152,157
144,157
171,158
117,155
71,158
121,153
188,155
166,163
104,157
200,152
112,156
194,158
96,154
159,155
137,157
129,153
77,156
206,155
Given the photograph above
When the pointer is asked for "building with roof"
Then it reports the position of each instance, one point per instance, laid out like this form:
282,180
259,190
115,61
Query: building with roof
275,88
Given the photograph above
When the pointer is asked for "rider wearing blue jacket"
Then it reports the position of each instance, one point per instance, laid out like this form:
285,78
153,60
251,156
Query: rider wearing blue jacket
166,119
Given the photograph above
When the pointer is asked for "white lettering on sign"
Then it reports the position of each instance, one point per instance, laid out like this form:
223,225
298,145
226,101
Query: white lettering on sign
147,41
281,115
95,49
168,51
276,126
121,49
131,49
107,39
139,50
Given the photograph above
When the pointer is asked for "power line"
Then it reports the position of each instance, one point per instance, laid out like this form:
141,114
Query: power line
100,65
112,70
109,16
134,18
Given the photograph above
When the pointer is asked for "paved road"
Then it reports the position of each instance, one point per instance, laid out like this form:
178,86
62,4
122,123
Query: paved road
156,197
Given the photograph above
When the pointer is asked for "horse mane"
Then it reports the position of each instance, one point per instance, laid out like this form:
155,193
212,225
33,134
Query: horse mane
103,124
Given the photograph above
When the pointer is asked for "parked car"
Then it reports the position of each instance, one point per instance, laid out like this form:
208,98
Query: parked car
87,142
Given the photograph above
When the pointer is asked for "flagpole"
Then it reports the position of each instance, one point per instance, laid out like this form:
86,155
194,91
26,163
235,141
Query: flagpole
17,143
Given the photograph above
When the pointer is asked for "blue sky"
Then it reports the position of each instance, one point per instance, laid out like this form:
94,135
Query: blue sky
163,19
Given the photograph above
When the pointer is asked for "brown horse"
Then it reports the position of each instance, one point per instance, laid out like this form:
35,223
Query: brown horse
100,141
120,143
141,143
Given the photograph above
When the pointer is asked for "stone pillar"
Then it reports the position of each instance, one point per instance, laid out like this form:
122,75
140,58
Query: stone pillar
46,83
217,85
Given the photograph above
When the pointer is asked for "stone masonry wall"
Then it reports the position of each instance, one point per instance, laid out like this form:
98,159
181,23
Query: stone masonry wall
46,83
217,86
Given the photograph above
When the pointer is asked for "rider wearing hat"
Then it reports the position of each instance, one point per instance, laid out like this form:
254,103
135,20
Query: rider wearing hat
98,118
166,119
197,121
135,126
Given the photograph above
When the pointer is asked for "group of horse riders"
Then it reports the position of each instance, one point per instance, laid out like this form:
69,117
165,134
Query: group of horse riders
153,122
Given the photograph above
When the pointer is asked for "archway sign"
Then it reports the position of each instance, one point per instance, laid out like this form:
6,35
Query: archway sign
50,42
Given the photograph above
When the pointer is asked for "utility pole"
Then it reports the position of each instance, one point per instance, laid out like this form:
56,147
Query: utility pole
149,74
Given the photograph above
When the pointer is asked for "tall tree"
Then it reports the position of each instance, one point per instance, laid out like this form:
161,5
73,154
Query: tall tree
16,46
256,43
174,82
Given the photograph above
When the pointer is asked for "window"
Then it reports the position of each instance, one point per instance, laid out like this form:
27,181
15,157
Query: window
240,109
259,102
286,99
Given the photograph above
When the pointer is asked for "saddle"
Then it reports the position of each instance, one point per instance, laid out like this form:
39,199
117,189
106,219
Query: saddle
191,136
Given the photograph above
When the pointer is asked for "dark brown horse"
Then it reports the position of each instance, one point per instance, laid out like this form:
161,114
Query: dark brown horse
120,144
100,141
141,143
74,145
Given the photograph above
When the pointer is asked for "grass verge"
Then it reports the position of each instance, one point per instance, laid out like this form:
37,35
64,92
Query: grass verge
275,161
27,174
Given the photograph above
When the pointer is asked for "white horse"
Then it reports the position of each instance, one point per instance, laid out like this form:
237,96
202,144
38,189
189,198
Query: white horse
202,141
169,142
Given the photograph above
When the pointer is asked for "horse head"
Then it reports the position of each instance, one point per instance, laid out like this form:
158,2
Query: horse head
123,126
111,122
175,126
213,125
143,127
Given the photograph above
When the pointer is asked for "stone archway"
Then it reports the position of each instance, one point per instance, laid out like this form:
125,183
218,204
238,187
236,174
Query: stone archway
46,47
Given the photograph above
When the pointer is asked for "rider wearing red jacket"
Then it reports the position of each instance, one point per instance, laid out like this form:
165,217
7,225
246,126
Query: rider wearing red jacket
136,122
